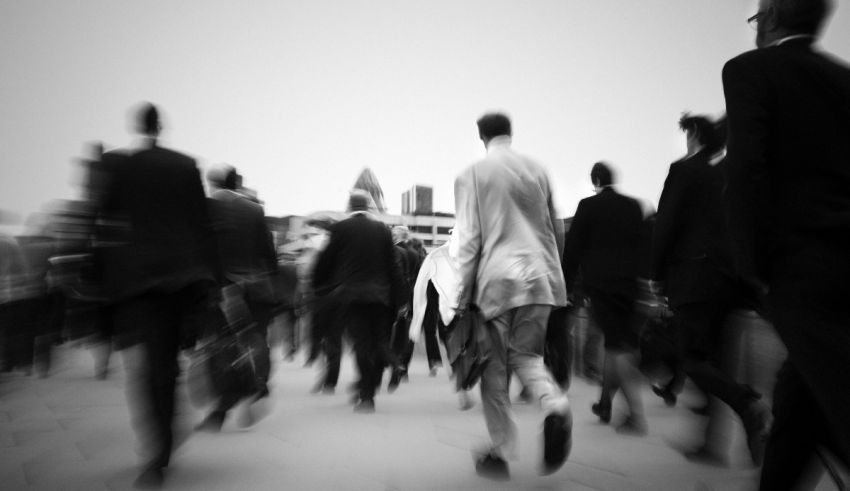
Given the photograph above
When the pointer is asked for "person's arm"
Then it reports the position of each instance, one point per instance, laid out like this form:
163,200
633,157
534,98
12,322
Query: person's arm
666,222
575,244
468,232
748,182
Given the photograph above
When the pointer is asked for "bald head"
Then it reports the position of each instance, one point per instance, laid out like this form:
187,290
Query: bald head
782,18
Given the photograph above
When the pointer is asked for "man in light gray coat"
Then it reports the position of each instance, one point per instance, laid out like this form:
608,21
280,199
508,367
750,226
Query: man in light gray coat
510,269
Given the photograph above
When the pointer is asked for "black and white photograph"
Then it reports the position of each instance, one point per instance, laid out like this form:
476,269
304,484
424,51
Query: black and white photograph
390,245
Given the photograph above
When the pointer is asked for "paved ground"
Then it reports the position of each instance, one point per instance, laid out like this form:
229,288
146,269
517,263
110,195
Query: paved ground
70,431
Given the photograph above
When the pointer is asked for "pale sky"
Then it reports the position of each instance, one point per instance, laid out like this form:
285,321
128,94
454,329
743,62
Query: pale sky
301,96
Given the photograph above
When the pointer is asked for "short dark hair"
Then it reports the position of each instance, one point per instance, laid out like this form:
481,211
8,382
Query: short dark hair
148,119
601,173
705,130
492,125
231,179
802,16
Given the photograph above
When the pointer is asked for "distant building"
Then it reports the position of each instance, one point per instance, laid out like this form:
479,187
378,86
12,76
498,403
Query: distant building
419,200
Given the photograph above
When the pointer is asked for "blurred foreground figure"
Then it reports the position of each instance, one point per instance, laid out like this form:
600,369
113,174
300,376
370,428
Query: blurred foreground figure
435,306
789,206
510,269
603,242
690,252
159,278
247,263
359,277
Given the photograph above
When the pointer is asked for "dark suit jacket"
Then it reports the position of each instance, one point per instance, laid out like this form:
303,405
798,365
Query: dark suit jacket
358,264
603,242
690,246
245,244
167,242
788,158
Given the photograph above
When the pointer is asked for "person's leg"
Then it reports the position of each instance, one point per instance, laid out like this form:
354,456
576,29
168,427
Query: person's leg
793,438
495,401
526,337
702,324
557,351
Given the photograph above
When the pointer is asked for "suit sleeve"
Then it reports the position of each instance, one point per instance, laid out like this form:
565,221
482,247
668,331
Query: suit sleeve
747,188
667,221
325,263
575,244
468,231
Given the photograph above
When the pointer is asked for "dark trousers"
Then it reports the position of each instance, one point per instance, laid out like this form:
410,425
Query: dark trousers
557,351
809,307
156,318
702,327
401,343
431,324
368,327
329,327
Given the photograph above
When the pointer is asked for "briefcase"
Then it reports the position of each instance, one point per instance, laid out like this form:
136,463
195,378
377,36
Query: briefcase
468,348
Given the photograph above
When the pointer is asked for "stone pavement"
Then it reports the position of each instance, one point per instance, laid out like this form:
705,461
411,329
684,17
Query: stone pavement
72,432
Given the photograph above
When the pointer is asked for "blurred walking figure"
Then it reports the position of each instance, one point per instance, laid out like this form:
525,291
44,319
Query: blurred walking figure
510,269
358,272
435,305
603,242
13,280
160,277
691,253
788,160
248,263
401,343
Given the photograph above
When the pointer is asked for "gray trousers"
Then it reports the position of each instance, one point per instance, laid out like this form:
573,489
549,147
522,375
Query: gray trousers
517,339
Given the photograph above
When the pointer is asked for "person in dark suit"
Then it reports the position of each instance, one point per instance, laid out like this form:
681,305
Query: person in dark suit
690,252
402,345
160,276
358,269
247,262
603,242
788,163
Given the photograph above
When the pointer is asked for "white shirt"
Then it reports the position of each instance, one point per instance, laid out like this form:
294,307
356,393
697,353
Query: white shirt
440,268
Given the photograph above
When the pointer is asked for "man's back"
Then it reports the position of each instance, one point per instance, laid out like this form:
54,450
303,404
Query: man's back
359,262
789,150
245,244
603,241
505,225
158,192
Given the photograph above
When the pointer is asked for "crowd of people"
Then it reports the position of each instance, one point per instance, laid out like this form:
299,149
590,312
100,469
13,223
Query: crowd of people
756,215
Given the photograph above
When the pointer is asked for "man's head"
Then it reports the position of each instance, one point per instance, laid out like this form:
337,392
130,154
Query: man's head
224,177
147,120
400,234
701,133
601,175
492,125
360,200
777,19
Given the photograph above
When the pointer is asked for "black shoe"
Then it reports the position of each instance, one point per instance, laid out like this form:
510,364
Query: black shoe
395,379
705,456
150,478
492,467
632,426
365,406
557,441
603,410
212,423
757,421
666,394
